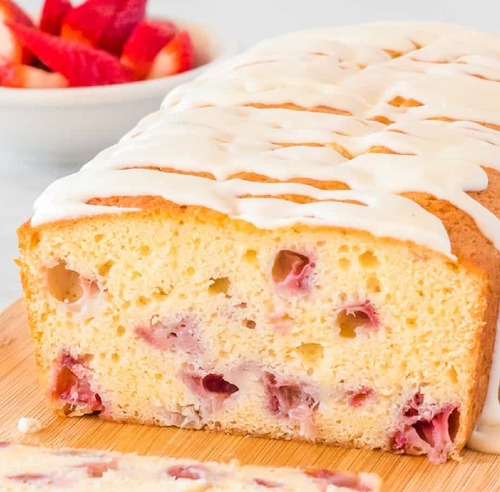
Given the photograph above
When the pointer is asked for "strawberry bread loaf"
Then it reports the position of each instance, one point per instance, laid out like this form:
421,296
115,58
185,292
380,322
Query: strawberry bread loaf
302,243
24,468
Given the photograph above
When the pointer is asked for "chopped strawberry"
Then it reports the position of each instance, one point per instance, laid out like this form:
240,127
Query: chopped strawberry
53,14
176,57
293,401
357,318
346,480
72,387
187,472
268,484
291,271
215,383
97,469
81,65
176,334
35,479
145,42
88,22
426,428
212,389
12,75
130,13
360,396
11,49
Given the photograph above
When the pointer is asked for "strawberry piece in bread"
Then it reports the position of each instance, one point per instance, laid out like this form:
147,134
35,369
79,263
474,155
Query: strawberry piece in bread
24,76
10,47
145,42
129,14
176,57
80,64
88,22
53,14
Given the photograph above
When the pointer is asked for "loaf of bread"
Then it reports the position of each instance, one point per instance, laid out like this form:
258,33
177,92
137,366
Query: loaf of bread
25,468
302,244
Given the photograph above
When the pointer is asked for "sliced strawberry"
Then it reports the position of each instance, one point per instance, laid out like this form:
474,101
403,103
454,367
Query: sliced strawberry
145,42
176,57
130,13
291,271
88,22
10,48
81,65
53,14
12,75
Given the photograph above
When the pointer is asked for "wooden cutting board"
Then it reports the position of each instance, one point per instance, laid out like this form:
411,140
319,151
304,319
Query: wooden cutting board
20,397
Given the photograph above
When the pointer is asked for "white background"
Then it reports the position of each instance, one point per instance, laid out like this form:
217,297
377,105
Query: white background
247,21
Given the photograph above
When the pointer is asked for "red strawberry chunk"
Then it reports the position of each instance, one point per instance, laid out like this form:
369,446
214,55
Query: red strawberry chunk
24,76
212,389
215,383
357,318
268,484
291,271
175,334
145,42
187,472
292,401
129,14
97,469
88,22
360,397
81,65
11,49
347,480
176,57
426,429
35,479
53,14
73,388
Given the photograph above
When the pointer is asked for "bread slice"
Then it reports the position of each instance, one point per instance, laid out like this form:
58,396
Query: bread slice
302,244
24,468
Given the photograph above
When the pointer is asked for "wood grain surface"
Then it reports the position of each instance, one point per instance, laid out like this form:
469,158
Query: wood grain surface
20,396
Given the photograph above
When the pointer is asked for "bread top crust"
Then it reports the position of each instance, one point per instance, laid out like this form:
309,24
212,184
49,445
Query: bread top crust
323,127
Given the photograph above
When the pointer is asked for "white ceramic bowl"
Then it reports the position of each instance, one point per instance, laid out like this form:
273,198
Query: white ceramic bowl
67,127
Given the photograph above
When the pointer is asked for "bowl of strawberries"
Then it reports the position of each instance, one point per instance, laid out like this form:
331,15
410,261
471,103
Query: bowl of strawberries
74,79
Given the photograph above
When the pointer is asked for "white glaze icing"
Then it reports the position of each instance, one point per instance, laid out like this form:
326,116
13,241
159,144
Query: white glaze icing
406,221
486,435
452,72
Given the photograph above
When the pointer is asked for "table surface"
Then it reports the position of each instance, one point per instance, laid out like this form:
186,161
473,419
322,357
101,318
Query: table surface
248,22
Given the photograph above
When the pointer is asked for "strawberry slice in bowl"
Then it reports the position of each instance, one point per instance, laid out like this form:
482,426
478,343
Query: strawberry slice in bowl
80,64
10,47
144,44
127,17
27,77
53,15
176,57
88,22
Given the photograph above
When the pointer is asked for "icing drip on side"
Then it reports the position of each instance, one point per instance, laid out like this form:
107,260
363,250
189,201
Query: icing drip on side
486,435
407,222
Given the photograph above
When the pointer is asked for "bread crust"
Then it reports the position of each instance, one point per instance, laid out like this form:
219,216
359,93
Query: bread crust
475,253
